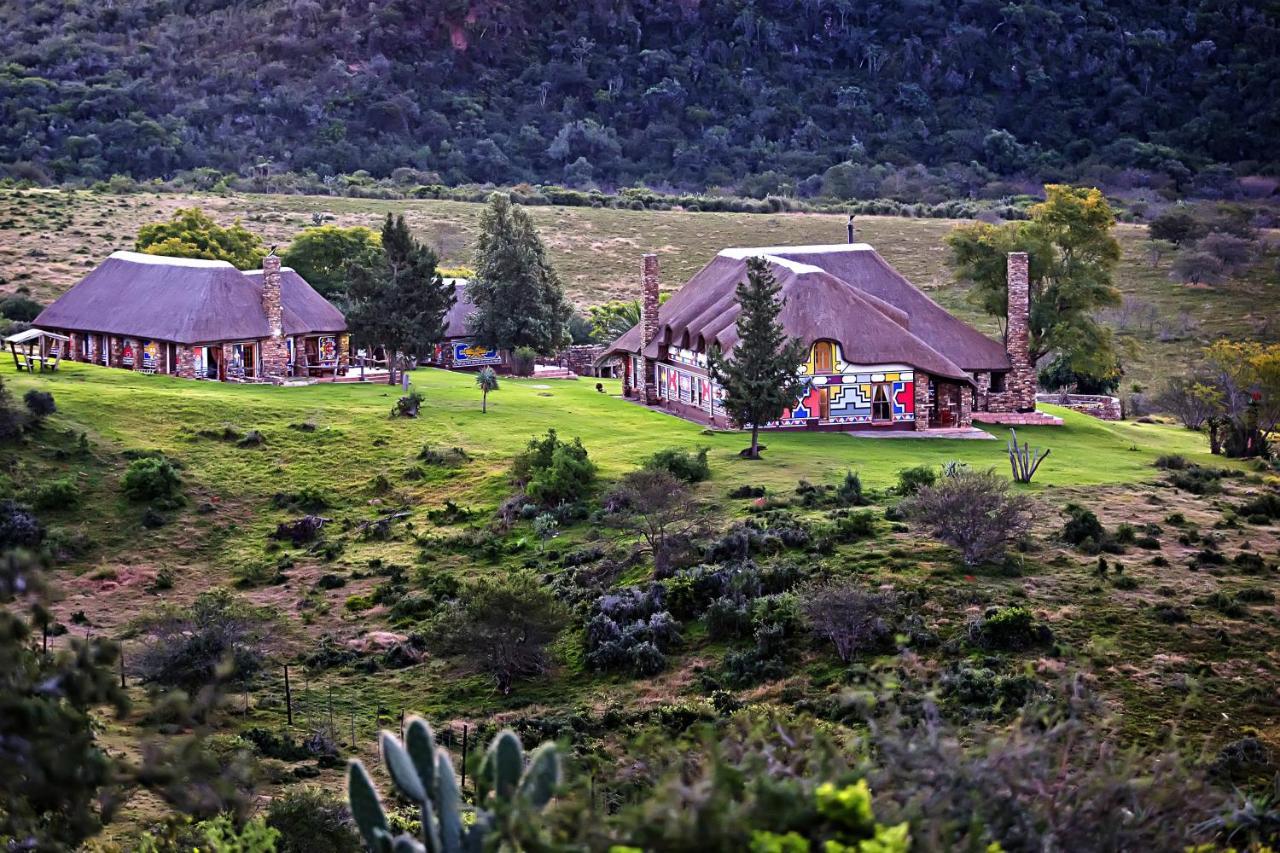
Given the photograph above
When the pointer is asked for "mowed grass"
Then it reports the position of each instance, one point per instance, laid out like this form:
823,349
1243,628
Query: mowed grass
355,440
52,238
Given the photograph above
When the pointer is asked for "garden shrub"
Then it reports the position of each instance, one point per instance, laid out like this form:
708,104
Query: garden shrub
973,511
151,478
911,480
682,464
523,361
1082,526
849,492
39,403
408,406
554,471
630,630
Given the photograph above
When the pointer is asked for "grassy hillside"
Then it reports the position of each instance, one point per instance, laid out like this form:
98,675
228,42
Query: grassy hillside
52,238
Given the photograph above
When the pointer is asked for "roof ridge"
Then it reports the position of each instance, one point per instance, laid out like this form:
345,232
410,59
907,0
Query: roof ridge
167,260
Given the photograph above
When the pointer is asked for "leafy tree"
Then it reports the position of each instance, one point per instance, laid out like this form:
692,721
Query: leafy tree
1247,375
658,507
55,771
486,381
761,377
321,255
1193,400
518,297
614,318
1197,267
20,307
1177,225
506,623
1059,374
398,298
192,233
1072,256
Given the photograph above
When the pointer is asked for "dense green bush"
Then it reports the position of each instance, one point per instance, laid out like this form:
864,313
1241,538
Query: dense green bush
684,465
554,471
1082,526
312,820
56,493
151,478
523,361
1008,628
911,480
39,403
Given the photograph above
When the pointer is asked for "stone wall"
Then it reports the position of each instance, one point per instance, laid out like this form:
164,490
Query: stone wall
185,362
649,324
922,400
1020,384
275,352
1098,405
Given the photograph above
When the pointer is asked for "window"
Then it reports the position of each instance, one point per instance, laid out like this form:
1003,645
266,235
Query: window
823,357
881,409
997,382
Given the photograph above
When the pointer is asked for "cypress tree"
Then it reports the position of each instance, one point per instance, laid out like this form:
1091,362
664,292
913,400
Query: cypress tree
518,297
398,299
761,377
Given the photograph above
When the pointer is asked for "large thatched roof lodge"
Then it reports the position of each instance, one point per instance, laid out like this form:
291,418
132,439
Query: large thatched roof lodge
199,319
882,354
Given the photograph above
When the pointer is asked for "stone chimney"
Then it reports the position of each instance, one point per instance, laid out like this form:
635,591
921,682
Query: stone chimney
648,325
1021,382
275,353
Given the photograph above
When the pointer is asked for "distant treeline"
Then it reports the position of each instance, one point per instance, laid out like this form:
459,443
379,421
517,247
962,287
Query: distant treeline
915,102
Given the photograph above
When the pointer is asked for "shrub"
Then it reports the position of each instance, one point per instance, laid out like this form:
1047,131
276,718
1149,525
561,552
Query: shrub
911,480
1008,629
188,647
58,493
306,499
1171,462
554,471
19,527
312,820
682,464
973,511
1197,479
1082,526
849,492
523,361
151,478
39,403
851,618
408,406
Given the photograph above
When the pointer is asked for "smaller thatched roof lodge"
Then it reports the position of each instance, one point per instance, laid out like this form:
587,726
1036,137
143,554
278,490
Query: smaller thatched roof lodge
199,319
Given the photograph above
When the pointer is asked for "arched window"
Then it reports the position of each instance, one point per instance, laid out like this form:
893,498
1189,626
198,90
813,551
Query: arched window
824,357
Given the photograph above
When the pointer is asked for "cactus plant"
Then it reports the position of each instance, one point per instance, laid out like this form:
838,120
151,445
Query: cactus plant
505,786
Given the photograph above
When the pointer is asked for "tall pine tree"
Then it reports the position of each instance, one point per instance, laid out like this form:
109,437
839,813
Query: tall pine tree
398,299
761,377
518,298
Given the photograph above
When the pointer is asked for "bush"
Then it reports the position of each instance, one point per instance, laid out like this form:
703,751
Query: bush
912,480
151,478
1082,526
681,464
408,406
523,361
55,494
19,528
312,820
188,647
849,617
973,511
1008,629
39,403
1197,479
553,471
849,492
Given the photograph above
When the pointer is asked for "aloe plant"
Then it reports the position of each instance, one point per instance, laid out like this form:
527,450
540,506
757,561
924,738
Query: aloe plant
424,774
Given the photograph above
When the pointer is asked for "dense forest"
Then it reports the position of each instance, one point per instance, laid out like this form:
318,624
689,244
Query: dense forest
823,96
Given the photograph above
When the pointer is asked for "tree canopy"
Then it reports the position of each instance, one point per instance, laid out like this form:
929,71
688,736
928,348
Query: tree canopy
192,233
518,297
321,255
398,298
1072,255
761,377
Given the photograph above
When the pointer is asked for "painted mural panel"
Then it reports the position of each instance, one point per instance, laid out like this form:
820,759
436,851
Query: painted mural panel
467,354
839,392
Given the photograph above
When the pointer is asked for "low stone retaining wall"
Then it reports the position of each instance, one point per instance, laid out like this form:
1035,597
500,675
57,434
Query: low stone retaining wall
580,358
1098,405
1018,418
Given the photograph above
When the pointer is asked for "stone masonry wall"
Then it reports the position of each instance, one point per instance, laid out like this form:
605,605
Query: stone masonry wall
275,352
186,362
649,324
922,401
1021,381
1099,406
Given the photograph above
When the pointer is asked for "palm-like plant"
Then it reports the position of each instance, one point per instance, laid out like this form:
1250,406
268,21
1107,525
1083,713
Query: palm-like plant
486,381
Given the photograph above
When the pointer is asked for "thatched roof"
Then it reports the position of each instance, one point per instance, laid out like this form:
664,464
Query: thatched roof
846,293
184,300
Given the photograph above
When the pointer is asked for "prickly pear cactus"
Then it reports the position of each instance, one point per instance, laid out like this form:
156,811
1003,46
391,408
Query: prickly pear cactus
425,775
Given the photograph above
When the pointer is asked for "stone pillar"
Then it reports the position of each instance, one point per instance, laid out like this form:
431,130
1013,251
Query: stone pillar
162,357
1022,374
921,389
225,364
137,353
344,350
275,352
648,327
186,361
116,352
982,399
966,406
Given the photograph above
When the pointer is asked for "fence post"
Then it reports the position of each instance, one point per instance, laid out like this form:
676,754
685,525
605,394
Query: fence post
353,727
464,757
288,696
122,666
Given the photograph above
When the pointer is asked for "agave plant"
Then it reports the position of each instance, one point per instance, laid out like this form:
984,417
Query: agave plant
505,786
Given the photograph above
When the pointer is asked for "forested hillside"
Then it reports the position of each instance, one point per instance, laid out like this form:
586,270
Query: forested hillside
764,96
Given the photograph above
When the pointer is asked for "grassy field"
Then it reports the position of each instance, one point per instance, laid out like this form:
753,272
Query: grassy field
52,238
340,440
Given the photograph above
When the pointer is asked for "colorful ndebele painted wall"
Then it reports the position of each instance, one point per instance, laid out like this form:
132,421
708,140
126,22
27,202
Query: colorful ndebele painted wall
835,392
